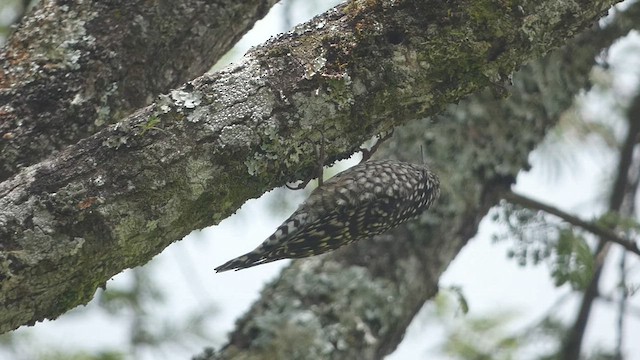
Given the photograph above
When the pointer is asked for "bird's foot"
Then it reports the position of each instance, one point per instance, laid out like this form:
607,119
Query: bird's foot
366,153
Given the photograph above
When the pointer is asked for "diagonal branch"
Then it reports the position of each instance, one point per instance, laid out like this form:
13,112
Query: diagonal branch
594,228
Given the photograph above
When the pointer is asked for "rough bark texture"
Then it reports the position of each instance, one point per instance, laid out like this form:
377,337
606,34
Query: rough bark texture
72,67
191,159
357,302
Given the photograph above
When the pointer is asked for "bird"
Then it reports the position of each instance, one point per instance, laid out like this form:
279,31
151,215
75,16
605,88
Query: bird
365,200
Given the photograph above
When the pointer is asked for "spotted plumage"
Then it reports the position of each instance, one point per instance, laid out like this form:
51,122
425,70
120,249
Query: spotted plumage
365,200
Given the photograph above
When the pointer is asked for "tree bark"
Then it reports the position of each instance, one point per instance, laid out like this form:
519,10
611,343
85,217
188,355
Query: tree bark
72,67
115,199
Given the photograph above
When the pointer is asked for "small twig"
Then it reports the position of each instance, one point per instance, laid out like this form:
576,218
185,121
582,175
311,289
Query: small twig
593,228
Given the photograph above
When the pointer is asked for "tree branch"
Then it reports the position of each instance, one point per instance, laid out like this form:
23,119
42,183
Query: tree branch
594,228
71,68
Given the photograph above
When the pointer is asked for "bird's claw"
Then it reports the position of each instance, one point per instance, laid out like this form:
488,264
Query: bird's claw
366,153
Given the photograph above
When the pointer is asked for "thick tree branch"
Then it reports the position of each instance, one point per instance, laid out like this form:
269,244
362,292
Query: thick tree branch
73,67
594,228
191,159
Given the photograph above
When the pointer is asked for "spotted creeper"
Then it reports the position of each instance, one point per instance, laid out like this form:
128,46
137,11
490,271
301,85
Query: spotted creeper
358,203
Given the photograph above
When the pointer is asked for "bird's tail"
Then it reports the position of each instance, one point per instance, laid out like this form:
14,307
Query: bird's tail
247,260
271,249
241,262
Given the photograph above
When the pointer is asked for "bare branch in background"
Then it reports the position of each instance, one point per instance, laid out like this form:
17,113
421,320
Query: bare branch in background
594,228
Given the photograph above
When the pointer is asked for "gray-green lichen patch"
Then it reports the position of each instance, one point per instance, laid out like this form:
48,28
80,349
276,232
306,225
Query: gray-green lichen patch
237,83
34,229
200,113
164,103
316,66
132,224
188,100
536,20
313,110
234,96
68,44
103,111
236,136
199,176
120,133
328,285
39,244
